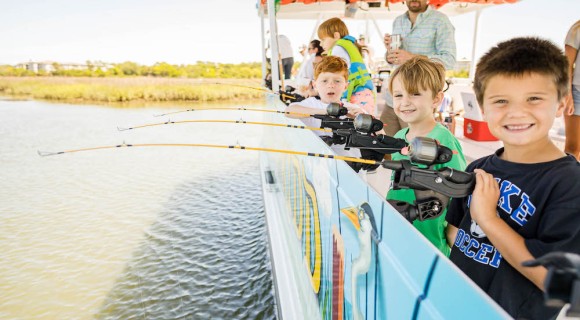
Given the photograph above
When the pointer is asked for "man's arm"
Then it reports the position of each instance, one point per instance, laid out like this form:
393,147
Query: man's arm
445,48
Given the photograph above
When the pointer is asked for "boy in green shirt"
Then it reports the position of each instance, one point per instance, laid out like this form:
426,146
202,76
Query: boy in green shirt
417,89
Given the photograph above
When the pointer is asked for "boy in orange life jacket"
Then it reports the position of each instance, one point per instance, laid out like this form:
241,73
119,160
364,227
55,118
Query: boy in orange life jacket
527,194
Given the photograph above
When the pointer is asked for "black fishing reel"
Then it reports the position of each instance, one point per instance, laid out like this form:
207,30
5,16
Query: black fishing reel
432,188
362,135
562,284
334,119
372,146
288,95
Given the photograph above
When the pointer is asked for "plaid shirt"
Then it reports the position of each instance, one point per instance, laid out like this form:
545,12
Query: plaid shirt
433,36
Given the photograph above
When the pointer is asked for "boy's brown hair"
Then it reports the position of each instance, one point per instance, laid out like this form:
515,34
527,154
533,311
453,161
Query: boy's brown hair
420,73
520,57
331,64
330,26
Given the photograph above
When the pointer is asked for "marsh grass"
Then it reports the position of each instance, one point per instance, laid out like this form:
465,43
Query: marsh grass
134,89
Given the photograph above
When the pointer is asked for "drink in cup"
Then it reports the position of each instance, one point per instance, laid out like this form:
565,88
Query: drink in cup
395,41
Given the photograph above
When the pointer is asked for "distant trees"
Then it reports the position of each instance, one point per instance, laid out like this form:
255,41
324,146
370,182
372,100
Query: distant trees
200,69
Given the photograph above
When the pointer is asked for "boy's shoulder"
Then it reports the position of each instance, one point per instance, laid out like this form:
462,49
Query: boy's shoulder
567,167
309,102
445,137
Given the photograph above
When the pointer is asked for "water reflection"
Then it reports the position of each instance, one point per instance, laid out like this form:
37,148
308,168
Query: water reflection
203,257
148,233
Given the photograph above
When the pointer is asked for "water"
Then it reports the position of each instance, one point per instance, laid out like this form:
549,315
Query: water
150,233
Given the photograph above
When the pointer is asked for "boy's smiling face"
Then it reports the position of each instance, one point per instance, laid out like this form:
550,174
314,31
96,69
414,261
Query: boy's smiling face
413,108
330,86
520,110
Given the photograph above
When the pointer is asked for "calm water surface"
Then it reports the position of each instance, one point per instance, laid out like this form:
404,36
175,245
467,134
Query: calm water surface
150,233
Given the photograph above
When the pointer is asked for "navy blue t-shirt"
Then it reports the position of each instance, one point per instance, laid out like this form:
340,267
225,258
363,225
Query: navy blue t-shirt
541,202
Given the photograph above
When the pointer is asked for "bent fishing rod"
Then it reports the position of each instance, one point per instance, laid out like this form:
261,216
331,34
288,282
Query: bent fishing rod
282,94
422,151
432,188
334,111
234,108
226,121
219,146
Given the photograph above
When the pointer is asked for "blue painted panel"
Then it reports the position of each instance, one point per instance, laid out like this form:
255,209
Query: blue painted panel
392,285
468,301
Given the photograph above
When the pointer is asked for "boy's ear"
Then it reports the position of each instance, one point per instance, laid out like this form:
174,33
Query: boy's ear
336,36
562,106
438,99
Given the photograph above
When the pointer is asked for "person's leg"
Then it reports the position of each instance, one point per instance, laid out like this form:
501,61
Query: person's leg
392,123
287,64
572,125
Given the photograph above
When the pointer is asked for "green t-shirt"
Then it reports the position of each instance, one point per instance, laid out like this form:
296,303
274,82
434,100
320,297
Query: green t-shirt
432,229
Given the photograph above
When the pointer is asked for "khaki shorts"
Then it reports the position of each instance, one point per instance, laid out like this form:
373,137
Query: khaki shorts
392,122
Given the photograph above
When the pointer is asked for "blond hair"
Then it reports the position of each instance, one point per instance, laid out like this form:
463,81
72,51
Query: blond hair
330,26
420,73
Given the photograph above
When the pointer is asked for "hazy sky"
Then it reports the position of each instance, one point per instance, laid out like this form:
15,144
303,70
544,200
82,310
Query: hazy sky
186,31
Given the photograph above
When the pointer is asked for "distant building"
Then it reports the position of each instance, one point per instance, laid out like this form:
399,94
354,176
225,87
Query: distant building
51,66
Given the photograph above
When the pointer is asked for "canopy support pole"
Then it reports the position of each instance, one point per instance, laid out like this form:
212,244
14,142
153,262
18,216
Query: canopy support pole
376,25
274,54
474,45
315,30
262,36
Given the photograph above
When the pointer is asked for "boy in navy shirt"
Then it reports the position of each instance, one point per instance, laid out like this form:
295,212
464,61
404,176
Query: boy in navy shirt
526,201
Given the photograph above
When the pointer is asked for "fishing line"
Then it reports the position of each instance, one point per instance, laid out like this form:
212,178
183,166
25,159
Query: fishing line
226,121
235,108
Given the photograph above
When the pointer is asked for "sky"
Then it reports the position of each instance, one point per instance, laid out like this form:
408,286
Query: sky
227,31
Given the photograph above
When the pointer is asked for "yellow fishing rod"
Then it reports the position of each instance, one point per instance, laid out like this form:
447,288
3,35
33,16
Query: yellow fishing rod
235,108
254,88
226,121
282,94
247,87
302,153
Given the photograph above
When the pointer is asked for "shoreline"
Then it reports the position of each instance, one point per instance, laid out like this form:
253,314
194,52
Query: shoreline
138,90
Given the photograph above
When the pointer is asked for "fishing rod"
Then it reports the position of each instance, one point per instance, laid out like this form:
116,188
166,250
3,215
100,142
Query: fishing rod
235,108
247,87
219,146
334,111
226,121
285,95
433,188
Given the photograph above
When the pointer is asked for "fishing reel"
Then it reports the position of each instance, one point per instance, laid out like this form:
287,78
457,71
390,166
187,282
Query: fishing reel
362,135
562,284
288,95
432,188
372,146
334,119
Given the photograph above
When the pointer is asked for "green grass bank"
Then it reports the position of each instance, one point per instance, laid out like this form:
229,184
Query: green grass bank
129,89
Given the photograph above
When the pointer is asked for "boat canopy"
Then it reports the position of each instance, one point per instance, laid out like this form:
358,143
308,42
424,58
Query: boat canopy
369,9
